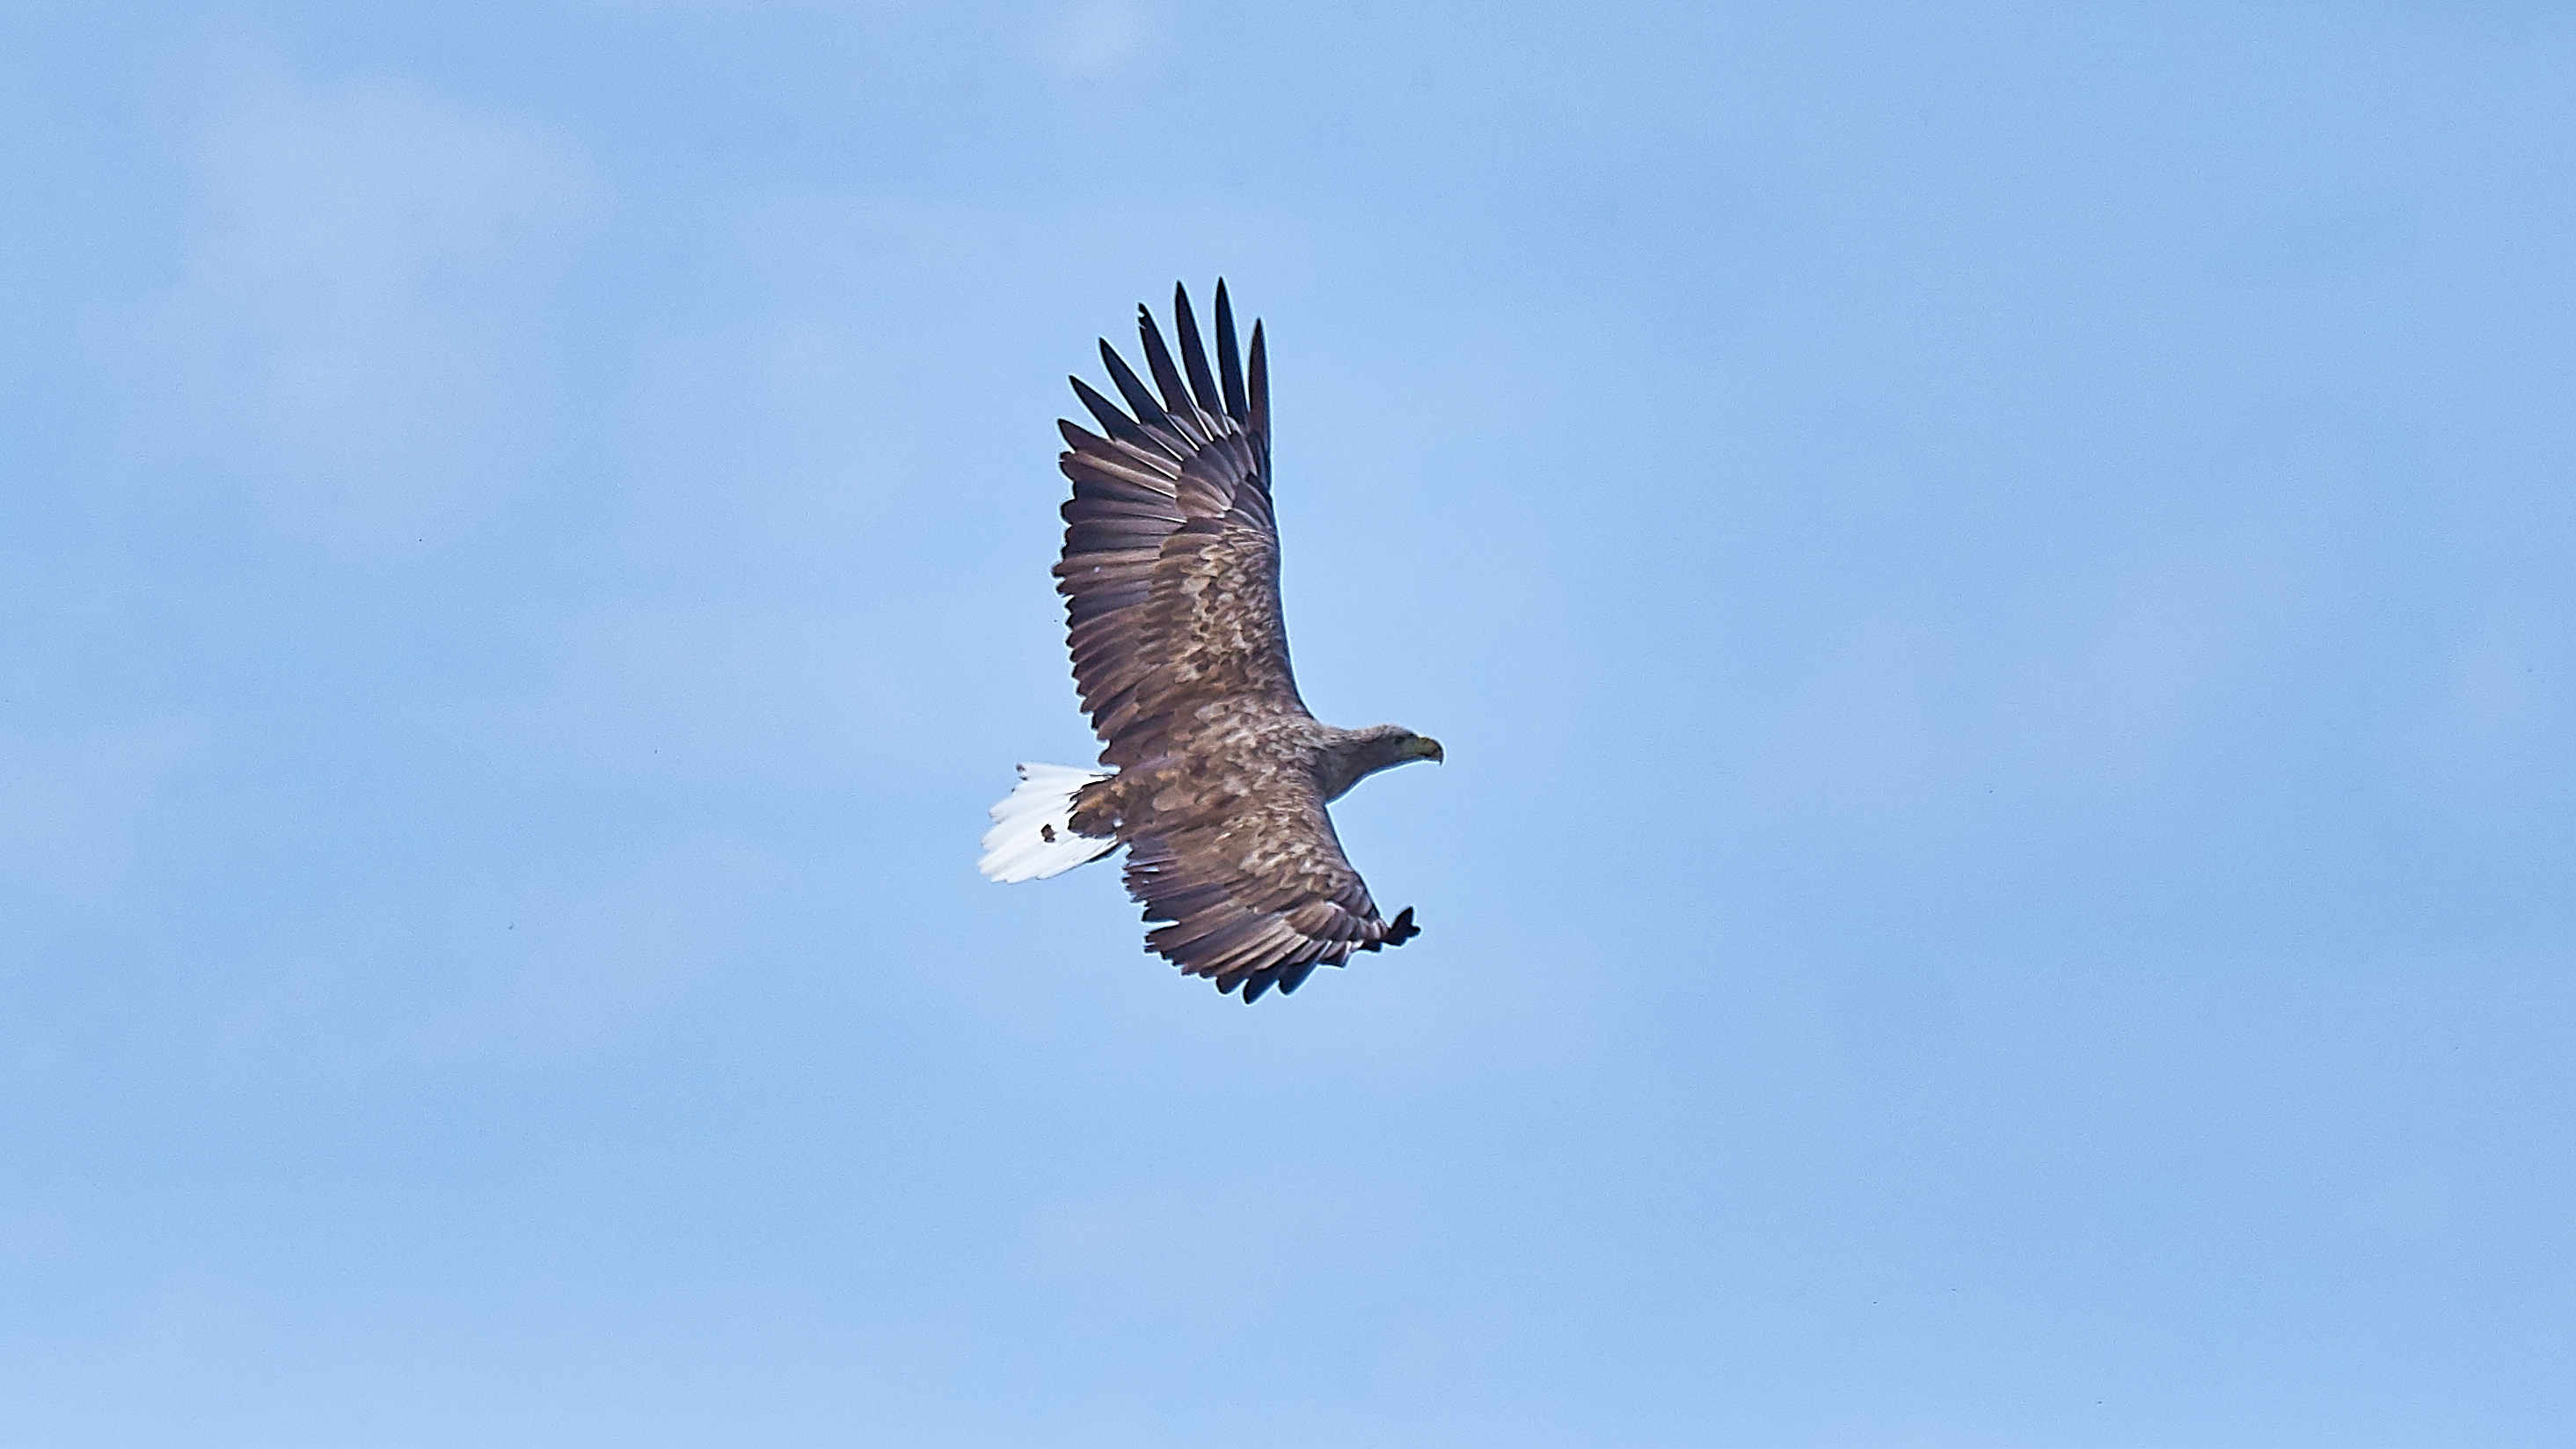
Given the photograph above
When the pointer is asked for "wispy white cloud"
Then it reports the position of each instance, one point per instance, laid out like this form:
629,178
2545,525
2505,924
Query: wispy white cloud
70,807
2099,693
788,480
800,439
360,327
1092,39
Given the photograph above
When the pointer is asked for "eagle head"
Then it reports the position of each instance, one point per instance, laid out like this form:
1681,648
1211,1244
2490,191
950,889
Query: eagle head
1354,755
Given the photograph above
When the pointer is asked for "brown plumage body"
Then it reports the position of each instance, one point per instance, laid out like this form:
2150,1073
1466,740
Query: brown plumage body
1170,575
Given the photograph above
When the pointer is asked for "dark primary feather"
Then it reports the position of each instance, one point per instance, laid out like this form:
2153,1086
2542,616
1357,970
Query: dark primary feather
1171,581
1193,355
1149,413
1226,356
1117,424
1177,403
1256,419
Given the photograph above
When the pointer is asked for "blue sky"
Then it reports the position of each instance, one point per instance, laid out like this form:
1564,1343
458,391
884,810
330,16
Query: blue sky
1995,580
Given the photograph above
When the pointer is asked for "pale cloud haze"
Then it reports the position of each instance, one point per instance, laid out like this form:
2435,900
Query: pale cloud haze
363,328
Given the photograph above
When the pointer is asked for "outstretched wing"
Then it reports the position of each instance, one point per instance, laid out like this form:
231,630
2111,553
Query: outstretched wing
1257,890
1170,571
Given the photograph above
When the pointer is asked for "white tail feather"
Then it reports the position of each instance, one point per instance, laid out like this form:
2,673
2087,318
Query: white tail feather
1032,835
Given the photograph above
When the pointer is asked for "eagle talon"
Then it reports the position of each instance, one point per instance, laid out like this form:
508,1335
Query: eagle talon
1401,929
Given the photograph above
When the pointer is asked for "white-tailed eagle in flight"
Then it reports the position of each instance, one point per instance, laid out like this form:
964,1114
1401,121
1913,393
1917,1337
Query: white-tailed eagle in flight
1217,776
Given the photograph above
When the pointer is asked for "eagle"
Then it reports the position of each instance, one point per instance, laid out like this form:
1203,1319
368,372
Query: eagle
1216,776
